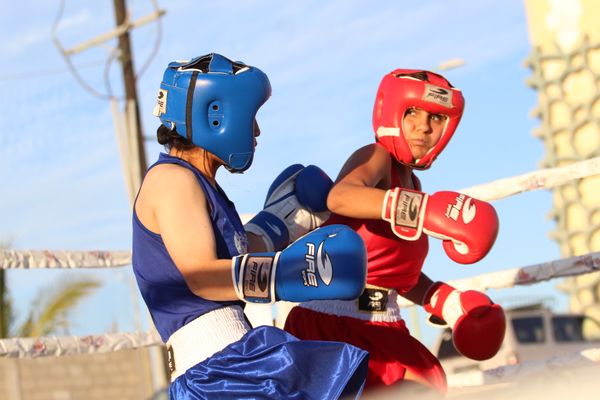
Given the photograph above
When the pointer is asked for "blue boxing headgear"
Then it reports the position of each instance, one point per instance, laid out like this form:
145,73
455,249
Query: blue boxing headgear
212,101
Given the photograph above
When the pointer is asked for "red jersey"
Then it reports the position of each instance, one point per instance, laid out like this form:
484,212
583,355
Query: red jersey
392,262
395,264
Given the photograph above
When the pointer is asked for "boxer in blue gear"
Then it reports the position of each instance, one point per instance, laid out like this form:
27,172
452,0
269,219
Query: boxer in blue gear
196,266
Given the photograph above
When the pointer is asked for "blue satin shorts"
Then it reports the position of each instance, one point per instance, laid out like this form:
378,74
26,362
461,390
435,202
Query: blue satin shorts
269,363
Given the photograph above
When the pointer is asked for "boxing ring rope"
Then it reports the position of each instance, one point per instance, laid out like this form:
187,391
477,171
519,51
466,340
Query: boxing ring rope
66,345
547,178
529,275
31,259
541,179
71,345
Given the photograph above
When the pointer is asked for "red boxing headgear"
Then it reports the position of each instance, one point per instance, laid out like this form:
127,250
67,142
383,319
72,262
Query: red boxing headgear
402,89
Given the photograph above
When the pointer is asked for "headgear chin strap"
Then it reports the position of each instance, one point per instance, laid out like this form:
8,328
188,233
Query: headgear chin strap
402,89
213,101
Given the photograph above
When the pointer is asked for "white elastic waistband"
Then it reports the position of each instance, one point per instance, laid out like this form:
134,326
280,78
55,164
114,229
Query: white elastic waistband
349,308
203,337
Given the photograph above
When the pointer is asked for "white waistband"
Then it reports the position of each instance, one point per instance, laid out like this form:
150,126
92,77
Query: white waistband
203,337
349,308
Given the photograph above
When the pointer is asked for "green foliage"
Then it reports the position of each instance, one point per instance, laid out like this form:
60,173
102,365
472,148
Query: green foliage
49,314
6,312
50,311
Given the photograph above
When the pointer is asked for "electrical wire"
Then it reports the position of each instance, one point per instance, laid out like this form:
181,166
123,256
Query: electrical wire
47,72
67,59
108,94
157,41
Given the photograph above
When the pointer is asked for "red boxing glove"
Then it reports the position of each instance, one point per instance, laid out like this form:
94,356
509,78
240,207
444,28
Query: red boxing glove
404,210
467,226
478,325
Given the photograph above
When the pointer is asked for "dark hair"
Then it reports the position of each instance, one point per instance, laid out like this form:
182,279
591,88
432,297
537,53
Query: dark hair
171,139
422,76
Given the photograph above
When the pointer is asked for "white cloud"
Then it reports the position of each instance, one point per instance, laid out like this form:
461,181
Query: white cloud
79,19
22,43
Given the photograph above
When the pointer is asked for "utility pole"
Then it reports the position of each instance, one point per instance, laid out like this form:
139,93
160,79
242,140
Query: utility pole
136,157
128,129
4,317
5,303
132,112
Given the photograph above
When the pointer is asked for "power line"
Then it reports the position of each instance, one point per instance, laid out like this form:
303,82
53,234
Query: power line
121,29
42,73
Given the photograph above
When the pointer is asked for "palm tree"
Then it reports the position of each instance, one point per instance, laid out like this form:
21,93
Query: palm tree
6,313
51,309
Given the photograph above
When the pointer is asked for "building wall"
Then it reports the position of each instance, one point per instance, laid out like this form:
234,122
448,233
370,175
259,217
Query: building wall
565,59
124,374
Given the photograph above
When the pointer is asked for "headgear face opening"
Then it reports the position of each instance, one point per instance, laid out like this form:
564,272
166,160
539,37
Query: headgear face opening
406,88
213,101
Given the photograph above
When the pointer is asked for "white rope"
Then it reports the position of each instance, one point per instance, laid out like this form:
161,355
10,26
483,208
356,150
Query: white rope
68,345
71,345
526,275
510,373
31,259
541,179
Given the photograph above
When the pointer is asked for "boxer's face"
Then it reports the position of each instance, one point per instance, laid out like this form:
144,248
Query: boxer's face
256,132
422,130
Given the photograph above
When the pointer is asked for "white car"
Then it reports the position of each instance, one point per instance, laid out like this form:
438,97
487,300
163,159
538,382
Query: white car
532,333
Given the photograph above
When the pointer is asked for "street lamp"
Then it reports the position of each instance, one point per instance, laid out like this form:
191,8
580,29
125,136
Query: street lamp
450,64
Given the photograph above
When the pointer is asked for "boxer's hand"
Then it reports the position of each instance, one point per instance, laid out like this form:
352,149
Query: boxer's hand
327,263
467,226
478,325
296,204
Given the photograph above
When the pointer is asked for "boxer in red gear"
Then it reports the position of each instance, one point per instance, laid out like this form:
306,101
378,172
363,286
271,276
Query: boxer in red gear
378,195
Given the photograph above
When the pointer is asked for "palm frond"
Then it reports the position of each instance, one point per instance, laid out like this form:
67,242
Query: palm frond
52,308
6,312
25,328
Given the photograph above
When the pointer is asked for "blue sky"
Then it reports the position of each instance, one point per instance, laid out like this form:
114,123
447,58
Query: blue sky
59,163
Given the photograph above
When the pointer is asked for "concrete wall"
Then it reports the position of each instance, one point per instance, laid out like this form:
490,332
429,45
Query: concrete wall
123,375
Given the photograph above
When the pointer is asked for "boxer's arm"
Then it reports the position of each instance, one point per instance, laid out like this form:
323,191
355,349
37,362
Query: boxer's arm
468,227
182,219
327,263
358,179
417,292
295,205
256,243
478,324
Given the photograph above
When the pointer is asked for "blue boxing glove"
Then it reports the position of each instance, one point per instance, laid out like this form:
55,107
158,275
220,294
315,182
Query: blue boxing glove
296,204
327,263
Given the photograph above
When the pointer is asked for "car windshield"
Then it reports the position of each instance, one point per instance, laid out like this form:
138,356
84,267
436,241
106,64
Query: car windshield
568,328
529,329
447,348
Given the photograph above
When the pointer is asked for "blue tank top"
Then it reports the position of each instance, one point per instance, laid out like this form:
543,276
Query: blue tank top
170,302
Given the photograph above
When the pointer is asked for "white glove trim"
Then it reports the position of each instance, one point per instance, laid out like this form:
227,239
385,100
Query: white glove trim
234,278
273,270
393,196
460,247
452,309
239,282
